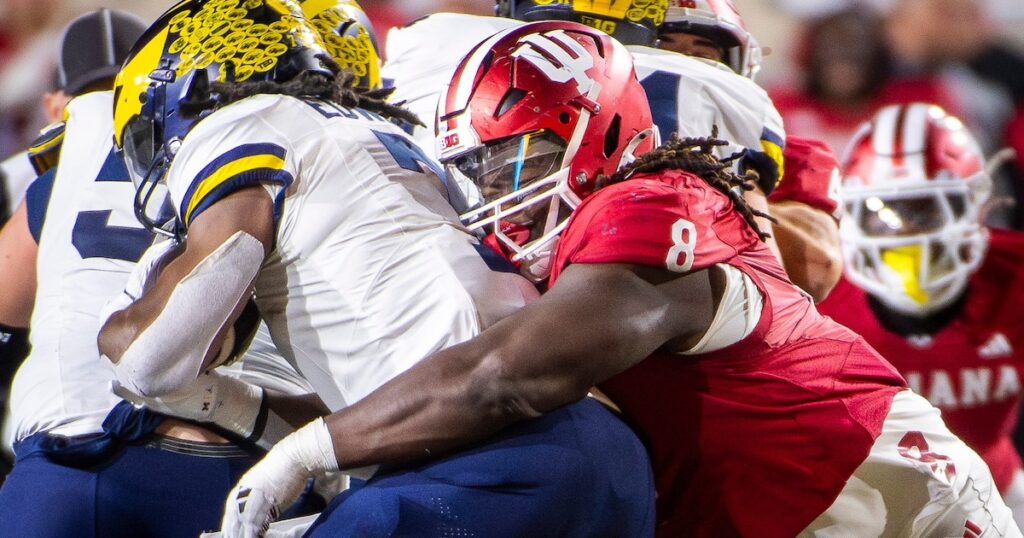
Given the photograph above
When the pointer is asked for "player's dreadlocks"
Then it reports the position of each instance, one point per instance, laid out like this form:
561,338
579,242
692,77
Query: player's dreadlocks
338,88
694,155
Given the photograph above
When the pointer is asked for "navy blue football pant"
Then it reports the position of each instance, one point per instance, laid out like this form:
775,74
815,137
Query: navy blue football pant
126,482
578,471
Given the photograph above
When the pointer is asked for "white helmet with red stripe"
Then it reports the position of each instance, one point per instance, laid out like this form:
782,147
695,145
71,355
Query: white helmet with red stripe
532,117
719,21
914,189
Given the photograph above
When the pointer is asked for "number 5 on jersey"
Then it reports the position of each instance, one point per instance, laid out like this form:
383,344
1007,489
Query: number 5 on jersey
684,241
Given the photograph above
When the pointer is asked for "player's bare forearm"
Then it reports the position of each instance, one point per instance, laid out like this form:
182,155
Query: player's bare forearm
18,252
808,241
296,410
597,321
248,210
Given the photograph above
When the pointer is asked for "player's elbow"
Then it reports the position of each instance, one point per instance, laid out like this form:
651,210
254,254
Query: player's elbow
114,337
138,377
156,370
825,279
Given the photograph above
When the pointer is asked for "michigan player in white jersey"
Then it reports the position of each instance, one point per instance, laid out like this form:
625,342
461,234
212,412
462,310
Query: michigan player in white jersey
76,443
689,95
345,230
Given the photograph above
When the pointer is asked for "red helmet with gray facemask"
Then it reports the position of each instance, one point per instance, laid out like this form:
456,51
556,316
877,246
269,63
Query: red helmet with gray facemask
914,189
532,117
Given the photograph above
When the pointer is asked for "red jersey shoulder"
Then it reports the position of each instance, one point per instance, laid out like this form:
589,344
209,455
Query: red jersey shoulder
997,288
811,176
671,219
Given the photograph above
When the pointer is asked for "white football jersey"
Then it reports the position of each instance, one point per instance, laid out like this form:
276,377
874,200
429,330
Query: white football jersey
687,95
371,270
89,243
422,58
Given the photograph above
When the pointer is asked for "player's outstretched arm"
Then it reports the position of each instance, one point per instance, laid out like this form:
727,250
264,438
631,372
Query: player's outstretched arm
161,341
596,321
18,252
808,241
17,270
806,207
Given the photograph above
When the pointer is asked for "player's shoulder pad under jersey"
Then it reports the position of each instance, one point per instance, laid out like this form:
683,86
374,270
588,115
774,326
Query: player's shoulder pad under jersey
44,152
672,220
90,111
245,143
996,289
689,95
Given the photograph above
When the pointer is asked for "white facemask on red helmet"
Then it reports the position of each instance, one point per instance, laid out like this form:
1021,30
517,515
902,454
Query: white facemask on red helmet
914,189
719,21
531,118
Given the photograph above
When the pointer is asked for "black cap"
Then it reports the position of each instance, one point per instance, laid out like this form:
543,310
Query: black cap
94,46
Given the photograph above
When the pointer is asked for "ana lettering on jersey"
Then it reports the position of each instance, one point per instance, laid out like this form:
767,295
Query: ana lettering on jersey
966,387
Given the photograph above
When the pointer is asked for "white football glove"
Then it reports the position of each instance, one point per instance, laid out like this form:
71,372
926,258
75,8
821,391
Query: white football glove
225,401
274,483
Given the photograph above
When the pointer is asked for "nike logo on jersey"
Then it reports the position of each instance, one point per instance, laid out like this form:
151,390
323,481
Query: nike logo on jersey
997,346
967,387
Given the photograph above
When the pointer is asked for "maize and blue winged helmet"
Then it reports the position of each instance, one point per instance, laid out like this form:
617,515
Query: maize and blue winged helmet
164,87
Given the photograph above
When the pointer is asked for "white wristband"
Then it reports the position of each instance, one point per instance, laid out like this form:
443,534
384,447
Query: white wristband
311,447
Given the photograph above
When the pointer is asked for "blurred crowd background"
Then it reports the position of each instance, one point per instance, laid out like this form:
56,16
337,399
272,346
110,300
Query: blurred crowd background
829,63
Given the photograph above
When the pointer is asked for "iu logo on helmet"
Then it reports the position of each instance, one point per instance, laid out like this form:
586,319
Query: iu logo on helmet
559,57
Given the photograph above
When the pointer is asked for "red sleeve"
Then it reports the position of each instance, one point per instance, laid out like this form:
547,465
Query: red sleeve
812,176
680,224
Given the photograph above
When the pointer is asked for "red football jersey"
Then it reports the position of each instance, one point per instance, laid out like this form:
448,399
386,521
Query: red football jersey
971,368
758,438
811,176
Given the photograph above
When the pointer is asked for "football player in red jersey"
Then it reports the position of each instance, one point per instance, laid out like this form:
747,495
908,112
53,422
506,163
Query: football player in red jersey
763,418
803,202
928,285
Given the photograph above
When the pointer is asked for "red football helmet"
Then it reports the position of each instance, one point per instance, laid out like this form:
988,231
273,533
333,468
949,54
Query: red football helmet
531,118
719,21
914,189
